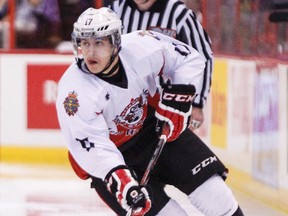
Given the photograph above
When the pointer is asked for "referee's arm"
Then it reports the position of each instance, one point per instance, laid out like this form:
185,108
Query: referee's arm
193,34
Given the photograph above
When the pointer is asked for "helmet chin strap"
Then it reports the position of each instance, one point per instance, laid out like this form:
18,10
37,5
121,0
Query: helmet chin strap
113,69
109,73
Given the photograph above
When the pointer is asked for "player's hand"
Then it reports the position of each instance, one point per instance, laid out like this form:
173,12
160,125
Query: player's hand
197,118
122,183
174,109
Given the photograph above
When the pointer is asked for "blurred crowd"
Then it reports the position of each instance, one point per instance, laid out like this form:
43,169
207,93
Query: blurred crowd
45,23
48,24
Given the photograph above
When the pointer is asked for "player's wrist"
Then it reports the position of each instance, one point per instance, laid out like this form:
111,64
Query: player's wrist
198,105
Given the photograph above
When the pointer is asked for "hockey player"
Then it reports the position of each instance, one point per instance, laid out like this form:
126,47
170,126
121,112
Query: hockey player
106,113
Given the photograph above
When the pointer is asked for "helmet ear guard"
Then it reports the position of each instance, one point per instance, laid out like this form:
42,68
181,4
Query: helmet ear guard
100,22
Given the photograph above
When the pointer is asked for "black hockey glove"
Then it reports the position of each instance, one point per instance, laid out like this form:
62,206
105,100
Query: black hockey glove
174,109
121,182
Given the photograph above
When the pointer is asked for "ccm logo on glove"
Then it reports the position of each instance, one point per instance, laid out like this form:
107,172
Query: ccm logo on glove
174,109
177,97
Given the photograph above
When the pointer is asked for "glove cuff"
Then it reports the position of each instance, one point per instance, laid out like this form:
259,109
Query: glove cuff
179,88
179,97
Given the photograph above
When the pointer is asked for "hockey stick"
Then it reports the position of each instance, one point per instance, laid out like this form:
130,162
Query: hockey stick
153,160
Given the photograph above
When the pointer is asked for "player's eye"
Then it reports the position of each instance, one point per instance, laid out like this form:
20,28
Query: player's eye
98,42
85,44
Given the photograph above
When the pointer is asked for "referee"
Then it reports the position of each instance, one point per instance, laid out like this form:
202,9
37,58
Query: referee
173,18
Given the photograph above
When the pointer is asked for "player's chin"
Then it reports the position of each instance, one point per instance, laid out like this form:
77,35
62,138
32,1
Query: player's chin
94,69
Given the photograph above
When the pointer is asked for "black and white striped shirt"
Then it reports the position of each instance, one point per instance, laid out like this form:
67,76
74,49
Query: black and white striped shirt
172,18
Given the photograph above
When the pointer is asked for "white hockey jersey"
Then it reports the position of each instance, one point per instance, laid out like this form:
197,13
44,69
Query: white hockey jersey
96,117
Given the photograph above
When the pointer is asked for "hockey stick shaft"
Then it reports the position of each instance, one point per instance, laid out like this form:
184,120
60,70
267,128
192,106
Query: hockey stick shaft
151,165
154,159
156,153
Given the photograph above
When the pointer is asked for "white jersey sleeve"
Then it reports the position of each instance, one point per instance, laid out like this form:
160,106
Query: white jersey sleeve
178,62
79,109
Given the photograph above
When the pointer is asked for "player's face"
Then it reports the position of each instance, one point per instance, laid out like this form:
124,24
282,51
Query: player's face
96,53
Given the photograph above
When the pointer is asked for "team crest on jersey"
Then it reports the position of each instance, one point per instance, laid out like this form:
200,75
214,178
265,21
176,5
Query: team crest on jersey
133,115
165,31
71,103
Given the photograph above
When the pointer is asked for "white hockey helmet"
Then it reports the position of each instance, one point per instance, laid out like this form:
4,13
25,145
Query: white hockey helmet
97,23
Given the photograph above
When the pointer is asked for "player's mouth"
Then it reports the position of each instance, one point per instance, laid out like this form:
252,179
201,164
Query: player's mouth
92,62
